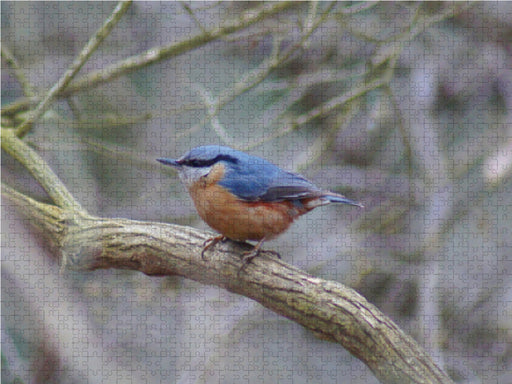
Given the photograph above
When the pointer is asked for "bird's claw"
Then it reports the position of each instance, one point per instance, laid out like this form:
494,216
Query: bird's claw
211,242
248,257
273,253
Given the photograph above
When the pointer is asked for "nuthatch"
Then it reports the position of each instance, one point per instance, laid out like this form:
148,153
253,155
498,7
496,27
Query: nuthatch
245,197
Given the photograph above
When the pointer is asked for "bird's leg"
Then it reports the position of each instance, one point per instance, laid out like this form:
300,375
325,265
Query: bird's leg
211,242
247,257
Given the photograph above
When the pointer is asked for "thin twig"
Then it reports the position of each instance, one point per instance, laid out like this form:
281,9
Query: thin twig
211,110
258,75
192,14
250,79
75,110
18,72
418,24
310,18
354,8
156,54
336,102
404,133
79,61
19,105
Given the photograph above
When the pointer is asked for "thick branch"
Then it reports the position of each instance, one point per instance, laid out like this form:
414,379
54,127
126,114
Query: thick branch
329,309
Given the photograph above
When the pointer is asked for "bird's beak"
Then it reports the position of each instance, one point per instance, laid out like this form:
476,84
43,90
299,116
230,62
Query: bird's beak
171,162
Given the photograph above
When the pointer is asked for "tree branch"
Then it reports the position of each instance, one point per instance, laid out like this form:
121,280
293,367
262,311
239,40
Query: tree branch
79,61
157,54
39,169
330,310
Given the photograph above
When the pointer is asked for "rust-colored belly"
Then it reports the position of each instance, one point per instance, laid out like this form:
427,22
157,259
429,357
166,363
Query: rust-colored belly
241,220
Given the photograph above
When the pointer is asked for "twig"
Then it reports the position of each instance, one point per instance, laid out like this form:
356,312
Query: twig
75,110
192,14
157,54
79,61
40,170
255,77
19,105
418,24
404,133
354,8
337,102
211,110
251,79
18,72
310,18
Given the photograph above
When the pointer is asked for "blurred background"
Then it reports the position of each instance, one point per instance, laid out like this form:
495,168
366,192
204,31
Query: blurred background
405,107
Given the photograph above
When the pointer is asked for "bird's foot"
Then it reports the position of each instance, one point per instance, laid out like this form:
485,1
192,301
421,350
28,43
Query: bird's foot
247,257
211,242
273,253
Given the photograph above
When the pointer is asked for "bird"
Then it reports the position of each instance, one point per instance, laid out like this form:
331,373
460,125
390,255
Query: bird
245,197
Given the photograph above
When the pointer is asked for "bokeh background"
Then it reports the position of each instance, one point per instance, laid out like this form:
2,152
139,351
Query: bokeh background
403,106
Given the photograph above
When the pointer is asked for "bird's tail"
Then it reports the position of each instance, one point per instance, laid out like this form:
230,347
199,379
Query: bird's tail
337,198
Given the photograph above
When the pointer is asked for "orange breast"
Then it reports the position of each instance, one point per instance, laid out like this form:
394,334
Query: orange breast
241,220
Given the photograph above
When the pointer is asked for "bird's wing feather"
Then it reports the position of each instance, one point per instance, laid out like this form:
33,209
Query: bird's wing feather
267,182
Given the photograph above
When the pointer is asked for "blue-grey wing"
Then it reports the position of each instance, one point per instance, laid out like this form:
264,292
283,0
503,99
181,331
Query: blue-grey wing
263,181
289,186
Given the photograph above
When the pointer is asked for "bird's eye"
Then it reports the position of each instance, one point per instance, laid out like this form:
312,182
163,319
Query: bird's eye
198,163
192,163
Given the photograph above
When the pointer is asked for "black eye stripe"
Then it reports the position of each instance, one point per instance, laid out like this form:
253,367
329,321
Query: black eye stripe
198,163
